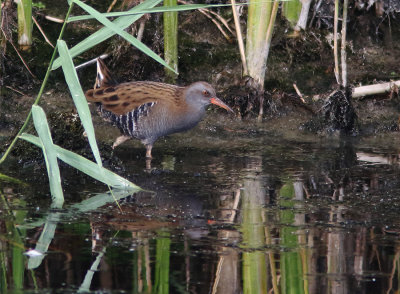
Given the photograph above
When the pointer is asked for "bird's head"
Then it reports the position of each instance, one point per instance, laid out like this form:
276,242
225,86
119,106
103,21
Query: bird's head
201,94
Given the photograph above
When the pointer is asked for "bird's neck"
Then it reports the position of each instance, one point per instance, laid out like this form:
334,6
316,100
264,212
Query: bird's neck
191,117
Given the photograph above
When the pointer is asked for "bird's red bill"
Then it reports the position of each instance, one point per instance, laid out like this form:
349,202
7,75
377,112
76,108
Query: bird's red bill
218,102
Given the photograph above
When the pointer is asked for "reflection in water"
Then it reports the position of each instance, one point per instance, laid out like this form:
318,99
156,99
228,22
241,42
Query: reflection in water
254,267
291,220
227,279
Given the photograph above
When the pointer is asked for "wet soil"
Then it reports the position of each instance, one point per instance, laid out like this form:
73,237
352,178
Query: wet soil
205,54
231,206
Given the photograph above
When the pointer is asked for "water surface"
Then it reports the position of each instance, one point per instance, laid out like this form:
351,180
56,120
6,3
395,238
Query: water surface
228,210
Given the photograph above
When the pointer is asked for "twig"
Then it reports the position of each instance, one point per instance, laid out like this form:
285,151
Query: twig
221,19
54,19
235,206
271,23
222,258
306,192
140,31
218,274
374,89
335,41
15,90
20,56
343,43
207,13
90,61
239,38
316,9
216,23
372,158
42,32
111,6
299,93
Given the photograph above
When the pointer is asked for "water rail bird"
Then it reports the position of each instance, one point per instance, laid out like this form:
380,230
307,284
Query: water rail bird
148,110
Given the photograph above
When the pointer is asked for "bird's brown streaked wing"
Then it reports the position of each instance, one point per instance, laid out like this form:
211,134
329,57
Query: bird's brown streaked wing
126,97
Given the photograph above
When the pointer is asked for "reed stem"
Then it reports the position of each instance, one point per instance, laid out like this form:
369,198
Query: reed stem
335,41
24,23
343,44
171,40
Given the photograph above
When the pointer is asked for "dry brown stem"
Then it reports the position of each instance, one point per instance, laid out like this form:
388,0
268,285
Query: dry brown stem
54,19
16,91
335,41
42,32
111,6
299,93
239,37
208,13
375,89
343,44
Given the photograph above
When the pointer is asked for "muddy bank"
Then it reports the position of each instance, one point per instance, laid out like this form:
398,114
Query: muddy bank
205,54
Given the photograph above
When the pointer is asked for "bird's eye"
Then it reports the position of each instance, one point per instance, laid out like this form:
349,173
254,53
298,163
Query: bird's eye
206,93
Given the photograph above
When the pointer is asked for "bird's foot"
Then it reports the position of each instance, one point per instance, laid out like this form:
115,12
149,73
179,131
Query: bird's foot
120,140
148,164
148,157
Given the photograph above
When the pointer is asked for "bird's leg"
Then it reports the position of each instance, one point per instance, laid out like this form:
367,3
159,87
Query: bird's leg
148,151
120,140
148,164
148,157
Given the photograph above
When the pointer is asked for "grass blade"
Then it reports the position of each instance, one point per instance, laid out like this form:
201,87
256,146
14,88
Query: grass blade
178,8
87,205
86,166
95,202
77,94
105,33
135,42
6,179
50,155
87,281
45,239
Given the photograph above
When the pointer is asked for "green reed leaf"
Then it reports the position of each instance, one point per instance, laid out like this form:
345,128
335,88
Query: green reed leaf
78,96
186,7
105,32
86,166
135,42
50,155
